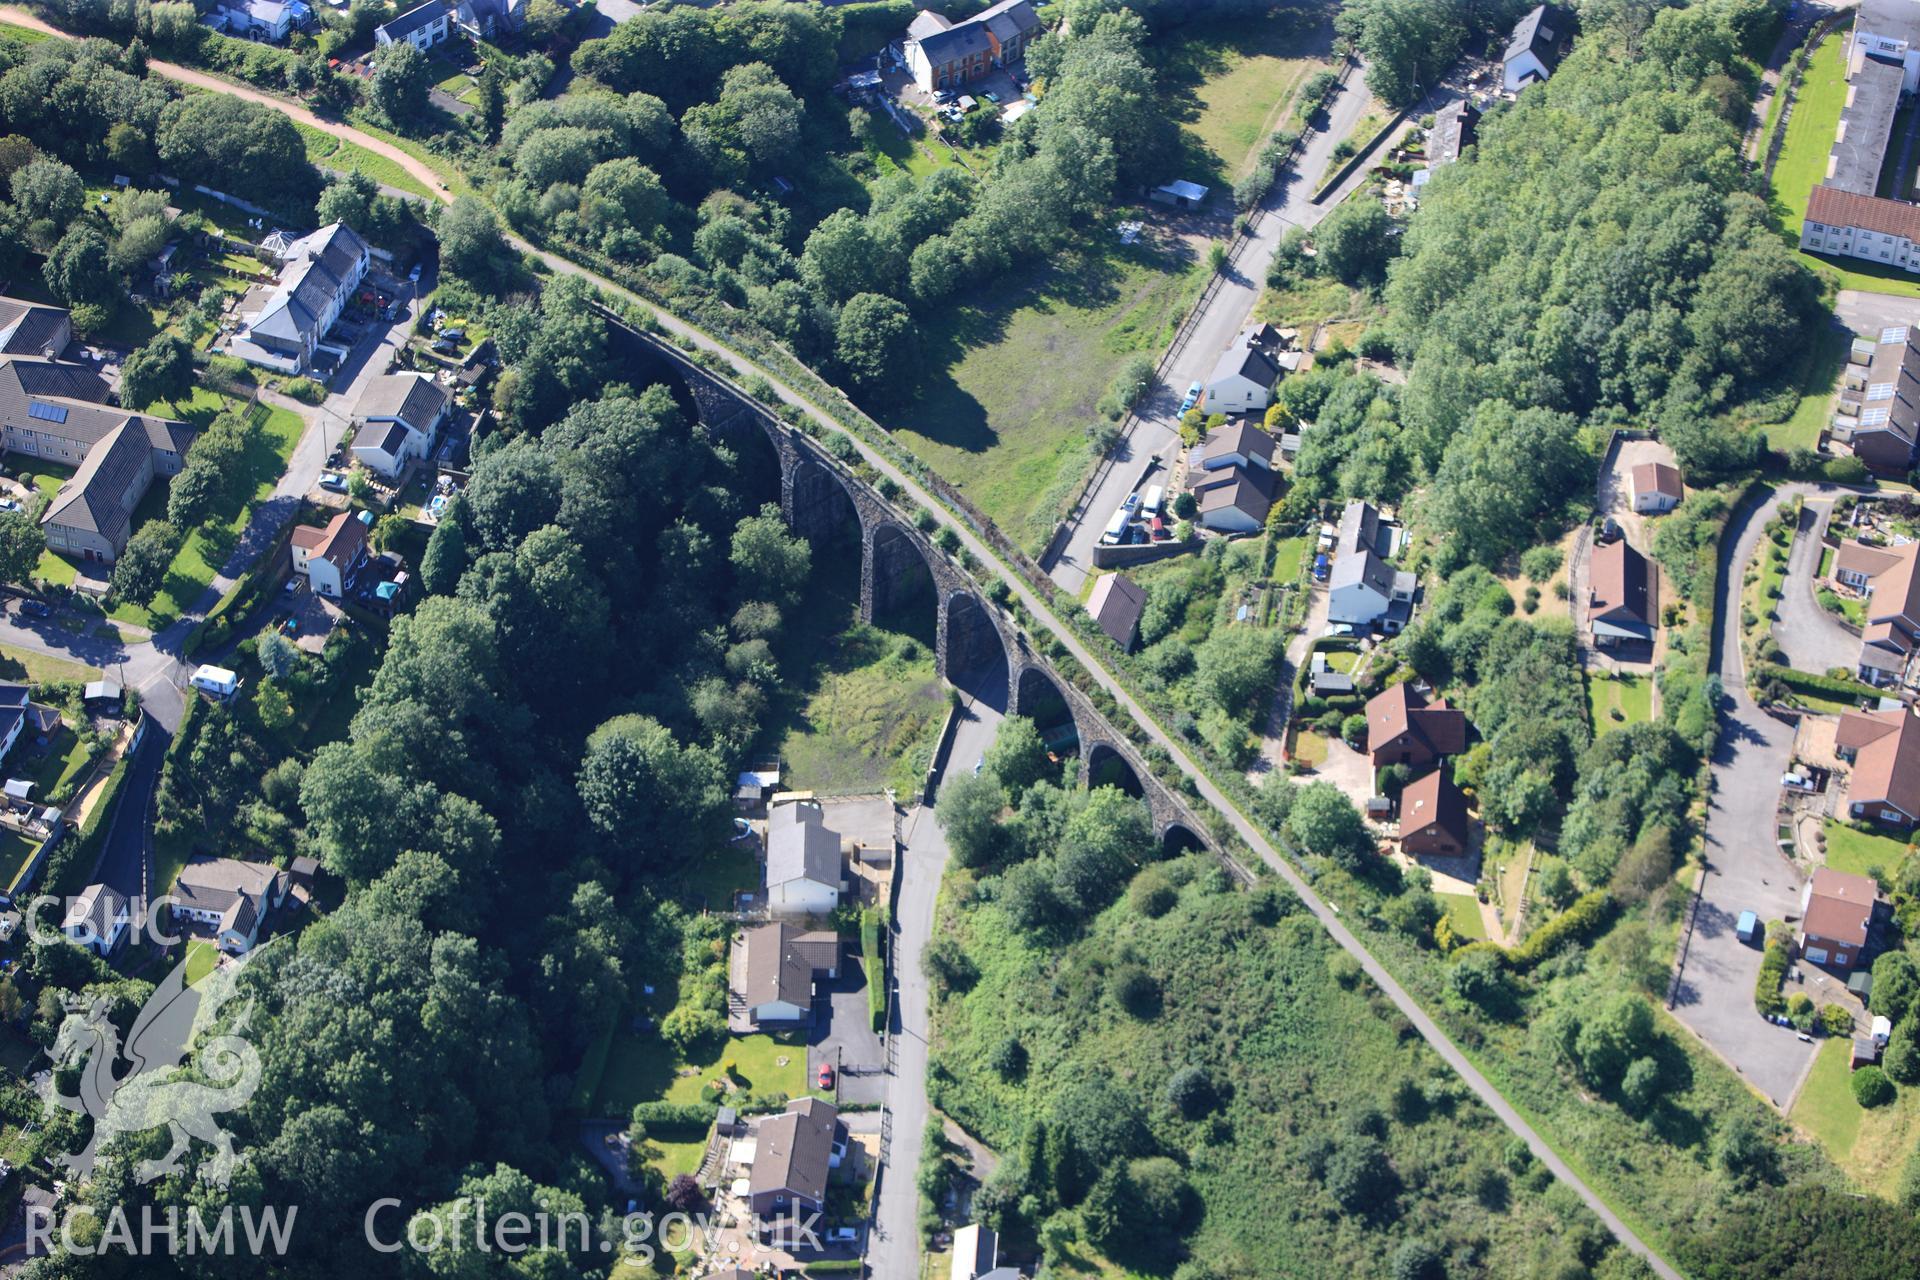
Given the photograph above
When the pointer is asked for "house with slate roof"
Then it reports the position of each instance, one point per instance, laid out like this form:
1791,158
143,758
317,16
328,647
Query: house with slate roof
397,416
230,897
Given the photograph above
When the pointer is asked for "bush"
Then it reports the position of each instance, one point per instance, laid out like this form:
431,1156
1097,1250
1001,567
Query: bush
1871,1088
1191,1091
675,1121
1584,918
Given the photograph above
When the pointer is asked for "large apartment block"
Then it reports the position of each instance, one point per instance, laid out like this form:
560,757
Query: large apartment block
1844,216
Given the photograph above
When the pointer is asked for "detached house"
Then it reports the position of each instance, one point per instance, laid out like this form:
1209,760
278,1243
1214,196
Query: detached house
1455,126
775,967
1888,575
942,54
422,26
1836,918
803,862
1404,728
1433,817
232,898
1620,596
1363,590
97,919
328,557
1656,488
1884,747
397,416
60,413
1242,380
1116,604
1539,41
793,1154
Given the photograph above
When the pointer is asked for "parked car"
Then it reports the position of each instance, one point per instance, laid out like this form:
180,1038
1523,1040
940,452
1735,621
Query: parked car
1159,528
8,504
445,346
826,1075
333,482
36,608
843,1235
1194,392
1132,504
1747,928
1796,782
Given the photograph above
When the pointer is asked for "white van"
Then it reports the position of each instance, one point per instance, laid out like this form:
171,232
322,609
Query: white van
217,681
1156,496
1116,527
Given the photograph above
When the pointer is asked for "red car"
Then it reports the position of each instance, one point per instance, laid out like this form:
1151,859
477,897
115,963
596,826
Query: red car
1159,528
826,1075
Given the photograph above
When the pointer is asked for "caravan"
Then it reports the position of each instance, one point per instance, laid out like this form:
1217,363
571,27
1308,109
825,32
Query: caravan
1117,527
217,681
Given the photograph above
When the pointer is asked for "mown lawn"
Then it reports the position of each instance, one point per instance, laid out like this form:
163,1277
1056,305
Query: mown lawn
202,956
1815,410
1858,852
1463,912
1810,132
207,547
1017,370
1630,696
642,1067
1825,1107
38,668
1232,84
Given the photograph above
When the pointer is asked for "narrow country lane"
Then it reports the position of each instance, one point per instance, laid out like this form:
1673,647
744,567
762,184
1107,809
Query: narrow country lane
1044,618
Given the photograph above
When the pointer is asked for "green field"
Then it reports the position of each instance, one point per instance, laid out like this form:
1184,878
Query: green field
1019,368
1858,852
1630,696
329,152
861,706
1463,912
1232,84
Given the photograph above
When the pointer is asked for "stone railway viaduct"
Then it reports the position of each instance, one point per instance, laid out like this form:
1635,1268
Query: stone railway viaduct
979,648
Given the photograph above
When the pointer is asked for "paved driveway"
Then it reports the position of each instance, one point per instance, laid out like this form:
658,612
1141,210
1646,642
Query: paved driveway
1814,640
842,1034
1713,989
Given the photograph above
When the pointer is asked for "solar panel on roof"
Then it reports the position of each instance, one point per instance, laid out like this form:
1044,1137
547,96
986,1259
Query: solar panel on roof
1894,333
46,412
1873,417
1880,391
